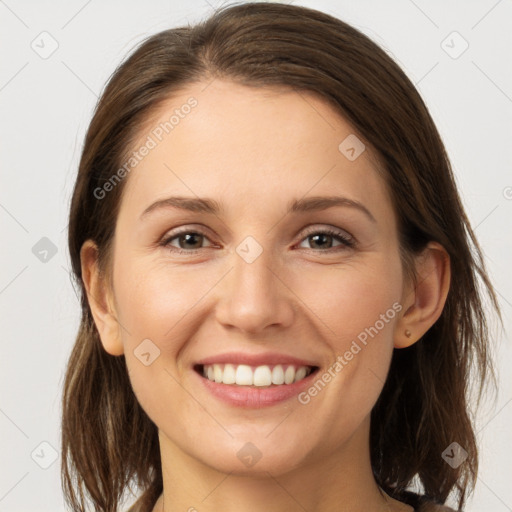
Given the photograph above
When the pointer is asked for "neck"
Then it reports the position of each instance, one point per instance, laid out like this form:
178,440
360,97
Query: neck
342,481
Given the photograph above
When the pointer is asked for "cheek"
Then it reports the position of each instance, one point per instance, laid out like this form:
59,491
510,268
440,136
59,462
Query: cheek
353,299
358,306
153,300
157,304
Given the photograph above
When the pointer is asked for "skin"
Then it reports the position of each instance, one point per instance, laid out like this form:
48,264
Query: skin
253,150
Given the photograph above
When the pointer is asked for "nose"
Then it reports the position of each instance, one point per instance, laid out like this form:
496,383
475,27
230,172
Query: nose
254,296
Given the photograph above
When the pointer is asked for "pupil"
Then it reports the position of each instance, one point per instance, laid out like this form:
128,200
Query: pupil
321,236
188,237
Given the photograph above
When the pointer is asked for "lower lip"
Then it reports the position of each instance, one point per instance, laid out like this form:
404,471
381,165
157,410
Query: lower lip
252,397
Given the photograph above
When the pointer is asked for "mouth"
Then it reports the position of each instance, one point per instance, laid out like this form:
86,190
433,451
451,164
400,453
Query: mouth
262,376
254,381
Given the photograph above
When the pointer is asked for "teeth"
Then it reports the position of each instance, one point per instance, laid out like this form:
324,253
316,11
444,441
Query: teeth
229,376
244,375
300,373
278,375
217,373
289,375
262,376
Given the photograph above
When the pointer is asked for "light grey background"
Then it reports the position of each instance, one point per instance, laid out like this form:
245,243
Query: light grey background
46,105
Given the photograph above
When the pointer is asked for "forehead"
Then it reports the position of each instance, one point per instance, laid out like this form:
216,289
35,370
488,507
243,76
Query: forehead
249,147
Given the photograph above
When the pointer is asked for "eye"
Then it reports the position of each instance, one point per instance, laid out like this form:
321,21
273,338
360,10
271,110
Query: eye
323,238
191,239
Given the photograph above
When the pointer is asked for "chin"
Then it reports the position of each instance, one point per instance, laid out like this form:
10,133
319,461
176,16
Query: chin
255,455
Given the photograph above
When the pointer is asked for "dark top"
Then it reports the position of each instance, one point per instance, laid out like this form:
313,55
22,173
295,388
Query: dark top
422,503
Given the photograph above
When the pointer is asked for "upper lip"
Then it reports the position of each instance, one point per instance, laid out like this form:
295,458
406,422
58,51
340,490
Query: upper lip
266,358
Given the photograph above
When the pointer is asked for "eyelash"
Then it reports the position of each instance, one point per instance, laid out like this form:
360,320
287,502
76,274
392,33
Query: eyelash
345,241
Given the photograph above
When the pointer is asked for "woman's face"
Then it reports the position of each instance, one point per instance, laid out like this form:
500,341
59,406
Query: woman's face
260,285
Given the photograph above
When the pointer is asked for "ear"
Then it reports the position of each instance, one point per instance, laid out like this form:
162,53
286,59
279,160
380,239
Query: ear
424,302
100,300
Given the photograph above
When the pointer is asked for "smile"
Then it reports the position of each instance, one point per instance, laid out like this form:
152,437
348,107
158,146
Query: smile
251,381
260,376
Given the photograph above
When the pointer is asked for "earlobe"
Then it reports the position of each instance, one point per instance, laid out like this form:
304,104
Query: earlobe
425,302
100,302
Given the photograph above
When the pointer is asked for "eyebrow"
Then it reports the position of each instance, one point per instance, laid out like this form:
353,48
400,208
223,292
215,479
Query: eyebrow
206,205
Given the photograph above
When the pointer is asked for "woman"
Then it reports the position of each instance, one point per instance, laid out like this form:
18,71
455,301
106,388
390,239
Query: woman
311,349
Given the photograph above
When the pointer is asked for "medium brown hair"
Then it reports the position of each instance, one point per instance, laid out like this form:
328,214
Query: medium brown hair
108,441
